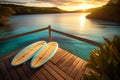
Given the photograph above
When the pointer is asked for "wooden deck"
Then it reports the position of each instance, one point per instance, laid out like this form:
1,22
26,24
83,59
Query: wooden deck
63,66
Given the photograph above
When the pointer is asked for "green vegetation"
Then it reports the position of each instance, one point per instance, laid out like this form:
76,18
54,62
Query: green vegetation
20,10
109,12
104,63
5,12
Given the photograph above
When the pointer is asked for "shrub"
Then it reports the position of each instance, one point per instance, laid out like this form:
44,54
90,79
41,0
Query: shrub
104,63
5,12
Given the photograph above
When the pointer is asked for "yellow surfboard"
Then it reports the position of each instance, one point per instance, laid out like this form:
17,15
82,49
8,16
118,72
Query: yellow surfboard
42,56
27,53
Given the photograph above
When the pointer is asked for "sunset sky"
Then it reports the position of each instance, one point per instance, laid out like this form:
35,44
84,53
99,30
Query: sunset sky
64,4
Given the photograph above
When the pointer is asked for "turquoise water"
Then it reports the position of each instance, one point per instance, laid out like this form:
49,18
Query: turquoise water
72,23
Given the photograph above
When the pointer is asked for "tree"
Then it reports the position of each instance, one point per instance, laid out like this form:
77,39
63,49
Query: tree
5,12
3,21
114,2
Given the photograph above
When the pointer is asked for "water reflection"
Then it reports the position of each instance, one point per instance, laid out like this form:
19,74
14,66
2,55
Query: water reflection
82,21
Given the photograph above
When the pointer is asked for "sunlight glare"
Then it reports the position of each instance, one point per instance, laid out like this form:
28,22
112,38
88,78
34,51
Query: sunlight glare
82,21
84,6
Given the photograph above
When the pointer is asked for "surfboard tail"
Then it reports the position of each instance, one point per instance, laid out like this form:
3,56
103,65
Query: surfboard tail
44,55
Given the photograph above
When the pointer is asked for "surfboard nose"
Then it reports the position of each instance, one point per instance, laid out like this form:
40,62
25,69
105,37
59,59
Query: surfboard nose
41,42
13,63
53,43
27,53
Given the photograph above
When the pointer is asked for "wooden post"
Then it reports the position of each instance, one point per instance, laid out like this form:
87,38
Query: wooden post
50,35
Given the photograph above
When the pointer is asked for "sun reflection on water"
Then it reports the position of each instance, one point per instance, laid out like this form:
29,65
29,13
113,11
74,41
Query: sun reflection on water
82,21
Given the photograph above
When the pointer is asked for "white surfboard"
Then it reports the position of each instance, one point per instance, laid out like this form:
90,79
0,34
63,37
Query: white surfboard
27,53
42,56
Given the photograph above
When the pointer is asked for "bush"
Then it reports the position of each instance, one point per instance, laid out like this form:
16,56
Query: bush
3,21
5,12
104,63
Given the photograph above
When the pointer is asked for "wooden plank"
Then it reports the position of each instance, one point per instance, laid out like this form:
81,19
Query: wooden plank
62,59
56,54
66,61
69,70
59,58
59,71
76,69
39,74
63,66
11,70
80,72
47,74
4,71
29,73
66,67
1,76
21,72
52,72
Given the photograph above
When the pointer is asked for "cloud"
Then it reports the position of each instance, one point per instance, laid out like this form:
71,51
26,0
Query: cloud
73,2
62,2
18,0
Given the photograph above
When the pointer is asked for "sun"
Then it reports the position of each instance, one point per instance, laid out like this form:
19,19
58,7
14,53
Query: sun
84,6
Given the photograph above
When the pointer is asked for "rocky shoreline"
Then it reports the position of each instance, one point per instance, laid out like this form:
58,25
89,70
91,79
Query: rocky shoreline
109,12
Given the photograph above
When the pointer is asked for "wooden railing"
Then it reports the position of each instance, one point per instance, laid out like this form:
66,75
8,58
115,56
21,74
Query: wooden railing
23,34
78,38
50,35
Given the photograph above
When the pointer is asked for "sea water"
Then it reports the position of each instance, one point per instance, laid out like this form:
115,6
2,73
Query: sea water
72,23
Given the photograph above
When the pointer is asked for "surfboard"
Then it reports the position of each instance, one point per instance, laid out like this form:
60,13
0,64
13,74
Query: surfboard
42,56
27,53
